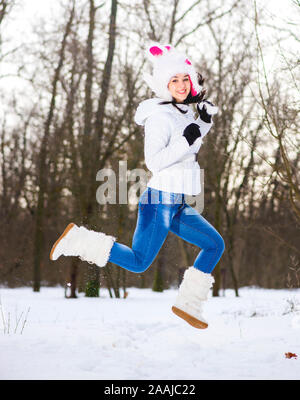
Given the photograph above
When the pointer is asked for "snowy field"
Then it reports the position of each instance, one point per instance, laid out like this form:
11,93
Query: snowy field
140,338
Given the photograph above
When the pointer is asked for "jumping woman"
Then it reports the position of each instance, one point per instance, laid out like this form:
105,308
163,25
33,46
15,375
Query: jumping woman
173,137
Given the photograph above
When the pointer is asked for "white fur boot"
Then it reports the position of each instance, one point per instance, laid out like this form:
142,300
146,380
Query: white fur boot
93,247
193,291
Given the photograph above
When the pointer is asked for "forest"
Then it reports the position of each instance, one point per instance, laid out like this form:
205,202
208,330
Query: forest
68,94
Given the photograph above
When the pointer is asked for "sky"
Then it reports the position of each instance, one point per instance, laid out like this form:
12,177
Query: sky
28,12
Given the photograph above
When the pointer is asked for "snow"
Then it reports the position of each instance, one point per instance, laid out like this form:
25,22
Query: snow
140,338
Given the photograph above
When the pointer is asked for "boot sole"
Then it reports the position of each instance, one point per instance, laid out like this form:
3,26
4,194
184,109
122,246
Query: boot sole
70,226
196,323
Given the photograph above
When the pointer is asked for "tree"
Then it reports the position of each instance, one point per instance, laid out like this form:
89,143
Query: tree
280,120
42,180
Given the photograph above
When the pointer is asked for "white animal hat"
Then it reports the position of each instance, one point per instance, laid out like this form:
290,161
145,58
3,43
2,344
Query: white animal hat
167,62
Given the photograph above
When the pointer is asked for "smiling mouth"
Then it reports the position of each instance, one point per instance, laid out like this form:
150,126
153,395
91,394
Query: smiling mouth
182,92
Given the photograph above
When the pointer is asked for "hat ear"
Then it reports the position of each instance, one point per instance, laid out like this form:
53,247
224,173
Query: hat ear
156,51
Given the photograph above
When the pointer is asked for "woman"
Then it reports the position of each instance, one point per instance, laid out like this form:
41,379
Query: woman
172,139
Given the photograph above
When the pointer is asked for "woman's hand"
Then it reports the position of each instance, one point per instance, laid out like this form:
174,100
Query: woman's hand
206,109
191,133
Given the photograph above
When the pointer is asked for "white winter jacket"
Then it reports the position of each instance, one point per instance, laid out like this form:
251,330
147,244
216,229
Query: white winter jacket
168,154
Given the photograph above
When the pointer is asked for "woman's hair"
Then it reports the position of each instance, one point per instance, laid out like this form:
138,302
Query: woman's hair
189,99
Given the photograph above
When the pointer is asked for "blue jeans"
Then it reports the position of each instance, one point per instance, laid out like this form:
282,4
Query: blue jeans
158,213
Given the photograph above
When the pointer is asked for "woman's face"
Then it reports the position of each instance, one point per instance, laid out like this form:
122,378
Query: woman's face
179,87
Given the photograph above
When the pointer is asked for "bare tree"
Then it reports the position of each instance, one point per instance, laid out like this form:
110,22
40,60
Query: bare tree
225,161
280,121
42,181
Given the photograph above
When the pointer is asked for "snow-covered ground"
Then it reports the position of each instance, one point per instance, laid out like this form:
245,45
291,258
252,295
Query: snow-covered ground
140,338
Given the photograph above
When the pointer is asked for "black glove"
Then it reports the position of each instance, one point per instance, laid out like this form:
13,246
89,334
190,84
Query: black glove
203,114
207,110
191,133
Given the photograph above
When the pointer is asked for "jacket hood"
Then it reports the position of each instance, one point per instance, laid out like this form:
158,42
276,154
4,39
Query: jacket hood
151,106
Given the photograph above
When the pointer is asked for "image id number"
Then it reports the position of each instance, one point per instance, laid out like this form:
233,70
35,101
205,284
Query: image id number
171,389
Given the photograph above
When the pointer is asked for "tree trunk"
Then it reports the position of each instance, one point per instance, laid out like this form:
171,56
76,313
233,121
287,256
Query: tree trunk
94,154
42,168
